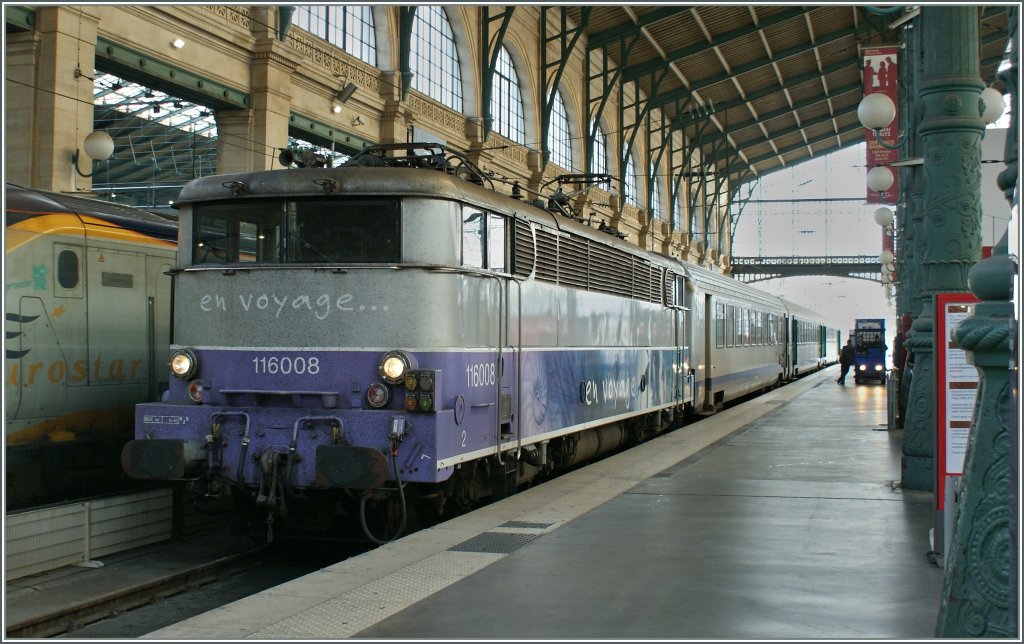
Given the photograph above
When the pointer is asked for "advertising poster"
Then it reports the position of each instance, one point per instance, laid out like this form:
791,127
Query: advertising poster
881,75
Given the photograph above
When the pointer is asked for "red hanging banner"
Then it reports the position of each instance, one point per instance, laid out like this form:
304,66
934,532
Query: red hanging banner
880,75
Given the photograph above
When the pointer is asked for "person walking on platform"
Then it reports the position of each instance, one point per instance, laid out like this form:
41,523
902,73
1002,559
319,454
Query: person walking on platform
845,361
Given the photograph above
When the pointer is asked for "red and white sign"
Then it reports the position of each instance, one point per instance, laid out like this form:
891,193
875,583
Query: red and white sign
956,388
880,75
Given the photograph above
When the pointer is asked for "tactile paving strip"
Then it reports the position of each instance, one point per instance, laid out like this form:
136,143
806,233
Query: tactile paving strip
495,542
346,615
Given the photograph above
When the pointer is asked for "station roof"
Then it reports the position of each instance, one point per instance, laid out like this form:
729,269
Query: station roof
760,87
757,87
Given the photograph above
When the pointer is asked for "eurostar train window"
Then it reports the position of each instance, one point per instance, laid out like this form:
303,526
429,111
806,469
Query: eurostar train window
356,231
67,270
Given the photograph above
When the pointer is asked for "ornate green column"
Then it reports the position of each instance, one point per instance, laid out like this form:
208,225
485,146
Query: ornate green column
910,219
950,136
979,593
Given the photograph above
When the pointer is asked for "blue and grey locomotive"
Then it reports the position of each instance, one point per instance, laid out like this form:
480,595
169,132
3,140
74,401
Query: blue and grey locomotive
396,331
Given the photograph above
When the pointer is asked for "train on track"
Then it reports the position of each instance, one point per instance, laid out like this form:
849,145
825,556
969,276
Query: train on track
357,342
87,322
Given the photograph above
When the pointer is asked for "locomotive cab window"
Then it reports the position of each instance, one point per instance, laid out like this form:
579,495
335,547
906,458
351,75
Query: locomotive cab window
232,234
483,240
298,232
344,231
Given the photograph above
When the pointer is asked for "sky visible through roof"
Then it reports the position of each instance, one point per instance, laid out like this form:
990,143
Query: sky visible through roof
818,208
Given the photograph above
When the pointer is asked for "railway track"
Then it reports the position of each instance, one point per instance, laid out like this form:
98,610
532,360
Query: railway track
147,589
108,602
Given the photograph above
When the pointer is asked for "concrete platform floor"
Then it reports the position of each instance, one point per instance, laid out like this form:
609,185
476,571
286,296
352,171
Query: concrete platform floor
779,519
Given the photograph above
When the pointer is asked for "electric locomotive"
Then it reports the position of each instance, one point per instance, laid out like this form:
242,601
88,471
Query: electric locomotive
87,305
869,350
352,342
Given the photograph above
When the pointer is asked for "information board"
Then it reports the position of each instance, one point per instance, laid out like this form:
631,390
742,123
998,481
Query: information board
956,388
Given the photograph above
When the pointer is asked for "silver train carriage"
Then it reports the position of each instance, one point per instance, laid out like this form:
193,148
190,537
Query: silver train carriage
814,343
87,318
397,327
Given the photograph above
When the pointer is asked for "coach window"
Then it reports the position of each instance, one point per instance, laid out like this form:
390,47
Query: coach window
67,269
731,325
719,325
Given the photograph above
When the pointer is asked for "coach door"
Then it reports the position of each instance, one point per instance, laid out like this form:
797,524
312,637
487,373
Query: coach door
118,344
682,310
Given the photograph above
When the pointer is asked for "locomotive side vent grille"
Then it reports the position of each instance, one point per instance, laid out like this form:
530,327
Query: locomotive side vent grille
572,262
657,285
547,255
523,251
644,287
611,271
576,262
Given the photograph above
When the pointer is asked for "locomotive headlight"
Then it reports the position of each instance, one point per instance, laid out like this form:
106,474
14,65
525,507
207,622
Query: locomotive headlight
863,367
878,367
183,364
393,366
377,395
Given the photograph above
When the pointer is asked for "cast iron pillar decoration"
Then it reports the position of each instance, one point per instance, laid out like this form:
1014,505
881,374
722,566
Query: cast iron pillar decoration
979,594
910,216
950,136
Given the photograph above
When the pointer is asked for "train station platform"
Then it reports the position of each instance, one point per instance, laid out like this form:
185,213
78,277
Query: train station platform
781,518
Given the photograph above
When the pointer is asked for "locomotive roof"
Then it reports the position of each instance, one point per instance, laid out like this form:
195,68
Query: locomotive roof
23,203
370,175
376,181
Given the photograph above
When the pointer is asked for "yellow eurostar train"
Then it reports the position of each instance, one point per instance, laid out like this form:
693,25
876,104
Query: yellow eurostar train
87,325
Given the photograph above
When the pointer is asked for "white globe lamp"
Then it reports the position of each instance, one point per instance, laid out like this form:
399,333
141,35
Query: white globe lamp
883,217
98,145
994,105
876,111
880,178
